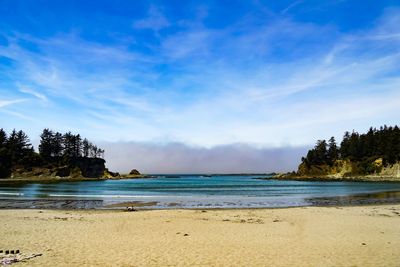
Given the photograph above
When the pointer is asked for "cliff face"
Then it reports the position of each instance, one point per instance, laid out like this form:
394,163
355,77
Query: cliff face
391,171
341,168
346,169
90,167
75,168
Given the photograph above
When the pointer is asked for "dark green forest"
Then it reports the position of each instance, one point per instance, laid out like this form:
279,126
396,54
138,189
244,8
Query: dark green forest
16,150
364,148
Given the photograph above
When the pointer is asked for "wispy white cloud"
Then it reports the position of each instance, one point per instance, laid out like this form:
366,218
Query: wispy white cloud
292,5
34,93
18,115
154,21
187,44
4,103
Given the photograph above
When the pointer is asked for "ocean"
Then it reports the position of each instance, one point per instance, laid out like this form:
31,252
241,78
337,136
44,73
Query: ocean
195,191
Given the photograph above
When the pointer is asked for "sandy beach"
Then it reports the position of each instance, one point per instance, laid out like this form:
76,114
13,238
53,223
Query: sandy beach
312,236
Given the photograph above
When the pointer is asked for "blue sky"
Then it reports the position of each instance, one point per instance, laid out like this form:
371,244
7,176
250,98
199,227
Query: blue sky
264,74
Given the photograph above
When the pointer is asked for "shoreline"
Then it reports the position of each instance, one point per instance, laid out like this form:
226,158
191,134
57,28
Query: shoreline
50,180
310,236
354,200
138,208
361,179
277,177
47,180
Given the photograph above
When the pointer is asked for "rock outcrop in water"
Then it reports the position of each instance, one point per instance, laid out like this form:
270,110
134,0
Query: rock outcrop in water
134,172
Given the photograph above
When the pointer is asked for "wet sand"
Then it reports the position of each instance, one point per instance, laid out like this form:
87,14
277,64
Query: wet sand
306,236
13,203
132,204
391,197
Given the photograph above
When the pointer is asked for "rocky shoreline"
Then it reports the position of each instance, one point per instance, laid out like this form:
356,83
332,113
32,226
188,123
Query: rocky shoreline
371,179
343,170
45,180
69,173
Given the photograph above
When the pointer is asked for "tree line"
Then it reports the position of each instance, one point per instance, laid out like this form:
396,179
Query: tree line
376,143
16,149
55,144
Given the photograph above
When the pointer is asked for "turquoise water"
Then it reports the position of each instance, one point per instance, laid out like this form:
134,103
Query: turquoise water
191,191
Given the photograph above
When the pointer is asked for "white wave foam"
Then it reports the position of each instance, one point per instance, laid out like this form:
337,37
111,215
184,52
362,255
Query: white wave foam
11,194
107,196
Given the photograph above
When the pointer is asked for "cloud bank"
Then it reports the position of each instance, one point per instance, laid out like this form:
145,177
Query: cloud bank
180,158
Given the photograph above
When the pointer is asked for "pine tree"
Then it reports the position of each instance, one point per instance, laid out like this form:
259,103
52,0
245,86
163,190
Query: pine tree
333,152
5,160
354,146
19,147
101,153
345,146
46,146
57,145
370,143
396,141
85,148
77,145
3,138
68,145
93,151
321,152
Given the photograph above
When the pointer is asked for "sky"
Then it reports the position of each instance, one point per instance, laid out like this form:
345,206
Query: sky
200,86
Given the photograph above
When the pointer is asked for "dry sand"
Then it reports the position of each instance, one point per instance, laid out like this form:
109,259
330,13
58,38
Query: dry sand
314,236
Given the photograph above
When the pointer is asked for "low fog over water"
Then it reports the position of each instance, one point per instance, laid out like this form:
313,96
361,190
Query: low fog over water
181,158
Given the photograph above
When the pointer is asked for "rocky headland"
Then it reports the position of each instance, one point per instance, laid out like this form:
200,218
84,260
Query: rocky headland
344,170
60,157
79,168
373,156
